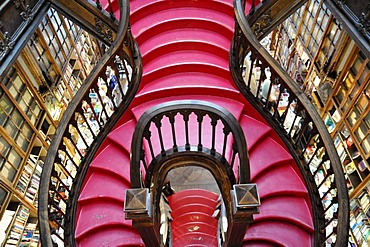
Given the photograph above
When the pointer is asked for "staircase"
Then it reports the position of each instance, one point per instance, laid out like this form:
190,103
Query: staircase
193,224
185,47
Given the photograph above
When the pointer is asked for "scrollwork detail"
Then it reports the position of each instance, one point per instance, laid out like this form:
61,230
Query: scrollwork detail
103,30
262,23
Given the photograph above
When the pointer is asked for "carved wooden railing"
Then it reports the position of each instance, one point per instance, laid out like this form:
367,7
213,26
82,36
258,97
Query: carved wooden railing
92,113
287,109
18,20
181,133
263,18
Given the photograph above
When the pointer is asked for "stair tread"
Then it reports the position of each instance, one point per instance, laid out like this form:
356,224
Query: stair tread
99,214
193,57
253,130
138,6
122,135
193,217
194,239
153,18
279,233
261,161
113,236
93,188
296,211
113,160
179,25
198,80
280,180
190,35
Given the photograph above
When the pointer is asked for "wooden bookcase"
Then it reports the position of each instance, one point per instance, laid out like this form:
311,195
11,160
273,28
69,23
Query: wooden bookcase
38,88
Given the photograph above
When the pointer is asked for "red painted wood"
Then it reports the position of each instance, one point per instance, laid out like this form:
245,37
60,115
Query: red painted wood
195,225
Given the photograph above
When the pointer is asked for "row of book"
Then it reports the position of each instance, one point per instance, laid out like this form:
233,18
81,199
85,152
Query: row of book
29,181
17,228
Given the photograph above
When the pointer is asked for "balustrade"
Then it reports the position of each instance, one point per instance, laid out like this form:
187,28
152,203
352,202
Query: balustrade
283,104
96,107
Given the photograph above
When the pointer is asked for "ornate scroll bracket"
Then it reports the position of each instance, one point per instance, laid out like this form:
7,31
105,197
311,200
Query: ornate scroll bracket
105,32
262,23
7,43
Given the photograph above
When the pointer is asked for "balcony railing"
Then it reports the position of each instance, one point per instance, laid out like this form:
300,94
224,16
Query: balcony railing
283,104
183,133
92,113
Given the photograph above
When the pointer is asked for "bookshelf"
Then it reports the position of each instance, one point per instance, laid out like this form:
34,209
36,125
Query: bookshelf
359,218
31,235
17,225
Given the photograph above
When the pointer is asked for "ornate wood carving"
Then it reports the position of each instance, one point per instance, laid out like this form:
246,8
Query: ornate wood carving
262,23
358,12
105,32
15,18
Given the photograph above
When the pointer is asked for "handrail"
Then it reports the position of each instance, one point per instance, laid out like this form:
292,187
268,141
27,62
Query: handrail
283,104
199,109
188,132
91,114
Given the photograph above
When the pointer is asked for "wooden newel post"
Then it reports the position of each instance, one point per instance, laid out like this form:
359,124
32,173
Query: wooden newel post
245,203
138,208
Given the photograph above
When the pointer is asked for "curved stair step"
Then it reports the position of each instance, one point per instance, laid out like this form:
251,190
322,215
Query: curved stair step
179,25
113,236
184,45
194,217
141,8
195,240
279,234
203,200
99,214
183,57
94,190
153,16
181,81
186,35
113,160
279,181
288,209
262,161
253,130
122,135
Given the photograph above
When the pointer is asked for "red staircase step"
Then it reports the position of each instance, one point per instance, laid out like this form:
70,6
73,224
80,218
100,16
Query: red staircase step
185,35
280,180
138,7
180,24
193,224
113,236
184,209
94,190
113,160
182,228
254,130
198,46
296,211
98,214
192,199
195,240
182,81
278,234
276,156
174,13
122,135
183,57
193,217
